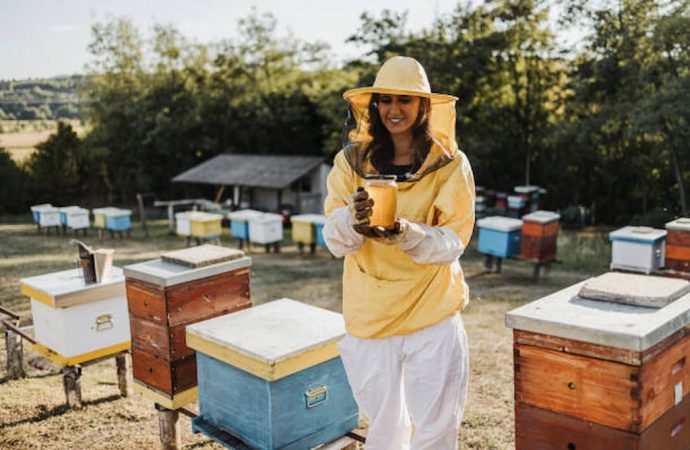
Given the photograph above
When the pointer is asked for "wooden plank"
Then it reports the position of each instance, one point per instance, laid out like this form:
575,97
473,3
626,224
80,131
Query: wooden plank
150,337
602,392
679,265
121,367
620,355
540,230
146,301
677,237
203,255
208,297
15,355
538,249
170,377
169,428
678,252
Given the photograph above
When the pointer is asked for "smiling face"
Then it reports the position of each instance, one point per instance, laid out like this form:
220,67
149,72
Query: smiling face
398,112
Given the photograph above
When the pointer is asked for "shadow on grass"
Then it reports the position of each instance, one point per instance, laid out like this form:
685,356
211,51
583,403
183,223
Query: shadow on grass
58,411
5,379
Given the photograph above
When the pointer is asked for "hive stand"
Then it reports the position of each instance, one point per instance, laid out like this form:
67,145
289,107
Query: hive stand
71,375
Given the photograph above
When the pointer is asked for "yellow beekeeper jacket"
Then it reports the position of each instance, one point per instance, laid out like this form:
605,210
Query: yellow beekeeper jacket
386,292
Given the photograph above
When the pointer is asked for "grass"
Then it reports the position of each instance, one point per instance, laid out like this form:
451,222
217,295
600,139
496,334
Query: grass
32,414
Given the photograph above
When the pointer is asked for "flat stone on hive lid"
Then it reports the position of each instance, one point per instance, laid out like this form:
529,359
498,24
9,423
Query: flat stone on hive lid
201,256
630,289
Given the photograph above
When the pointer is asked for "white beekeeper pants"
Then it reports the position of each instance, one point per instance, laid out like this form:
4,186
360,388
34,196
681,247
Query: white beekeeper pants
416,381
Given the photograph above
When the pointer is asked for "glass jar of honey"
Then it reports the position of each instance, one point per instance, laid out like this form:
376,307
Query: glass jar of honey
384,191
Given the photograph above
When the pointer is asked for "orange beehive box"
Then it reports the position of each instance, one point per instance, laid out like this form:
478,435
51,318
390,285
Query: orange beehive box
539,236
678,245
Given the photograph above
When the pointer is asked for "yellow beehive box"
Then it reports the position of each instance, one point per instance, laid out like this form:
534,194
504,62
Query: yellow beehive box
205,225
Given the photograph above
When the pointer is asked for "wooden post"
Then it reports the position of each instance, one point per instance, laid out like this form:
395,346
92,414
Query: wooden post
121,364
535,271
499,264
72,384
15,355
168,421
171,218
142,213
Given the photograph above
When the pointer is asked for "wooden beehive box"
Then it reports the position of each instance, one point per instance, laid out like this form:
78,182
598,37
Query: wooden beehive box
637,249
539,236
74,217
607,370
272,376
75,322
239,222
266,228
205,225
678,244
163,298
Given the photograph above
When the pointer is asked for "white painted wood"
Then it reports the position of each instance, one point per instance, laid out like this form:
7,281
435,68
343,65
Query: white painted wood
565,314
200,216
645,257
243,214
274,331
81,328
541,216
266,228
680,224
49,217
67,287
309,218
164,274
117,212
77,217
638,234
182,224
500,223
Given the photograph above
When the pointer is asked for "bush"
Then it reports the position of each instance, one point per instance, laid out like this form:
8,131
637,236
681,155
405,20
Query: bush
14,184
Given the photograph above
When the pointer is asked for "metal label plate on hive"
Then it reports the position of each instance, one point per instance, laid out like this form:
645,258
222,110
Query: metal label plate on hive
630,289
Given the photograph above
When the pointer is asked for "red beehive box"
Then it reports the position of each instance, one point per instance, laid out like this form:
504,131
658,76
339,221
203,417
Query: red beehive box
539,236
164,296
678,245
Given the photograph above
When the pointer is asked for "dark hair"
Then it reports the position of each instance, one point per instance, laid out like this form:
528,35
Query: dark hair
381,150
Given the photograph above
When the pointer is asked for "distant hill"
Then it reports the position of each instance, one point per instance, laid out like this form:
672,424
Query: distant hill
41,98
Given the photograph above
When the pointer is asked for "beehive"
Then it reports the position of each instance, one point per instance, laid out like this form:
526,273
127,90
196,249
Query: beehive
239,222
304,228
118,219
75,322
74,217
499,236
539,236
205,225
266,228
163,298
272,376
591,374
182,224
637,249
46,215
99,216
678,245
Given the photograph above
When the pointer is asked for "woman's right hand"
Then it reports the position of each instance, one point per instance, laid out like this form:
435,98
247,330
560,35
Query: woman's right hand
360,211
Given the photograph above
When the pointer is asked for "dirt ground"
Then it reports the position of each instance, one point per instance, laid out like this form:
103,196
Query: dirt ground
32,411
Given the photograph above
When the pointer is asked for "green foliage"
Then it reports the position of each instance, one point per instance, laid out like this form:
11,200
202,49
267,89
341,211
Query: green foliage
51,98
14,183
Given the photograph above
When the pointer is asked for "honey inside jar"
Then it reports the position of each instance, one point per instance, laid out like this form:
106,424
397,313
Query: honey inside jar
384,191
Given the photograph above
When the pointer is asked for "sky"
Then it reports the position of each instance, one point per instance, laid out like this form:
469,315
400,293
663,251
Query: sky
44,38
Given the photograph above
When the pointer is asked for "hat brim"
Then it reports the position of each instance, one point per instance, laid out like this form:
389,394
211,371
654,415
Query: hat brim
435,98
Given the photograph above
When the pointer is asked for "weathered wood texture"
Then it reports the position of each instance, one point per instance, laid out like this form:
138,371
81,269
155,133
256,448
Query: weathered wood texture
538,249
630,357
15,355
71,376
158,317
121,367
678,250
539,429
168,421
540,230
677,237
622,396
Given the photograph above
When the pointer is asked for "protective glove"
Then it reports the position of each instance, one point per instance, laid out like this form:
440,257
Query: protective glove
404,234
360,208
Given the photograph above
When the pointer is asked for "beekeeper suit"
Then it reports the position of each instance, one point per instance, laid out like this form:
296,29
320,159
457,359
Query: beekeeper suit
405,352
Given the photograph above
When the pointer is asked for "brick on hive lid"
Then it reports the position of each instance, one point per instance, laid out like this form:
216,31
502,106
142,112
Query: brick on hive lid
201,256
638,290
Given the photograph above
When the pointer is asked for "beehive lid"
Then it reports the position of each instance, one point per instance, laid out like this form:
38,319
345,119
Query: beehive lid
67,209
106,210
681,224
67,288
200,216
308,218
637,234
565,314
36,208
203,255
165,274
117,212
243,214
270,341
183,214
631,289
526,189
500,223
541,216
266,218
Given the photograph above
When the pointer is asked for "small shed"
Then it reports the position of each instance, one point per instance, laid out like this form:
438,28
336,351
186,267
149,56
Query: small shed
265,182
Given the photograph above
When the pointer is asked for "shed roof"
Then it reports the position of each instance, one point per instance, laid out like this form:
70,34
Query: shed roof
266,171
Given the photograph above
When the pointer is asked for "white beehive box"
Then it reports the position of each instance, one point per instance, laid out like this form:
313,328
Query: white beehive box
638,249
46,215
75,322
182,223
266,228
75,217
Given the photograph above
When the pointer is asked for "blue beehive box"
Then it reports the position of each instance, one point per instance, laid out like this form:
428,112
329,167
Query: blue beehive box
118,219
499,236
319,235
239,222
271,376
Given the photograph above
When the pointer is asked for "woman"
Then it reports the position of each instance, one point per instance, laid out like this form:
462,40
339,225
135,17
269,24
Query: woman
405,351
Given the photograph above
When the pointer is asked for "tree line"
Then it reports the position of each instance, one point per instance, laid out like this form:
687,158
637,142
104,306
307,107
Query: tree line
40,99
603,123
